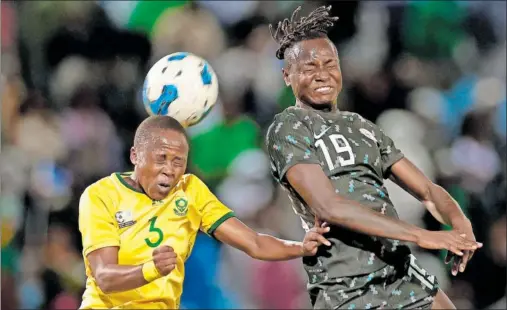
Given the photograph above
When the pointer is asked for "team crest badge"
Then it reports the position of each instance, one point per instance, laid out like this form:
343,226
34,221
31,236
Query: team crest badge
124,219
181,207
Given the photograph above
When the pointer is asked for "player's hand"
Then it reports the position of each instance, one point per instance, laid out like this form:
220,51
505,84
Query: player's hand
464,227
314,238
452,241
164,258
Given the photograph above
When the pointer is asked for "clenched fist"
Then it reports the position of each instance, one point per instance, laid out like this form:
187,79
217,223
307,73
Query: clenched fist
314,238
164,259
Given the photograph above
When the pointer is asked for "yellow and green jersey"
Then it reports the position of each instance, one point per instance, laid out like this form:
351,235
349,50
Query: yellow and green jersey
112,213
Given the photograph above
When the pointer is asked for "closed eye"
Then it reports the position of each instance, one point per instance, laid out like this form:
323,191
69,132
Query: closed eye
330,63
178,161
161,157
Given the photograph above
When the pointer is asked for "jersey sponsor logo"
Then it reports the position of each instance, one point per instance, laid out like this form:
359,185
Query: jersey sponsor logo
368,134
321,133
181,207
124,219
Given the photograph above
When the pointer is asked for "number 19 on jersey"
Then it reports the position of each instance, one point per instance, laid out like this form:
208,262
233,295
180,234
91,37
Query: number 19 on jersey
341,146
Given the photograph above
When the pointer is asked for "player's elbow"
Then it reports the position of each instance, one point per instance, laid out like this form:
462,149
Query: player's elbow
104,282
325,215
328,210
254,250
429,191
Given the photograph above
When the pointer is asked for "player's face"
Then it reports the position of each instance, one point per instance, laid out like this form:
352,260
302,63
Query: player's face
314,72
160,163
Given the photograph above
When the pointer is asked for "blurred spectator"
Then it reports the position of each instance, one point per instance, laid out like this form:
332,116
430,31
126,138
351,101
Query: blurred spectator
191,29
63,264
474,155
223,142
36,116
12,96
433,29
9,285
90,137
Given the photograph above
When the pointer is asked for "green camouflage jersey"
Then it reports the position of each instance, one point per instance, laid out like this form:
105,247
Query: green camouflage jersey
356,156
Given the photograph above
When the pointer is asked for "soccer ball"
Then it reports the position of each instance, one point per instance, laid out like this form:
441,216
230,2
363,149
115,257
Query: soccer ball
180,85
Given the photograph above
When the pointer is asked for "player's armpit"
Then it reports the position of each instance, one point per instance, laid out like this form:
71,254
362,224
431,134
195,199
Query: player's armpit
111,277
312,184
259,246
436,200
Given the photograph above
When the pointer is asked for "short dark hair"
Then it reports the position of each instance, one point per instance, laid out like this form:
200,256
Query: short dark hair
144,129
315,25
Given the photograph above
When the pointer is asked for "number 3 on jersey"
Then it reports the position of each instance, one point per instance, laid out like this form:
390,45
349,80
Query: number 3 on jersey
158,231
340,148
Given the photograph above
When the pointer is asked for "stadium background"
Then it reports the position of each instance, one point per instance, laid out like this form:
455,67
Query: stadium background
432,74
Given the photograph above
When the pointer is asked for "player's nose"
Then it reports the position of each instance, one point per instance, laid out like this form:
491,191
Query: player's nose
322,75
168,170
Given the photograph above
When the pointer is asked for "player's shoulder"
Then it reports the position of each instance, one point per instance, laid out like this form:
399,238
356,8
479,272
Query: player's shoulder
357,119
102,186
292,114
288,117
105,189
352,116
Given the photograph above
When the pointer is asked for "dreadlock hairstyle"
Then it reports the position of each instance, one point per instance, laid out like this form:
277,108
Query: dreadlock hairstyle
315,25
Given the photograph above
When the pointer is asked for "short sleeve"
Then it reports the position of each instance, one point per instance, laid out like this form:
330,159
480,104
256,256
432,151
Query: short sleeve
389,154
96,223
289,142
213,212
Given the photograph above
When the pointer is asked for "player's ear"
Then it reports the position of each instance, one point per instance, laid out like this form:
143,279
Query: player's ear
285,73
133,156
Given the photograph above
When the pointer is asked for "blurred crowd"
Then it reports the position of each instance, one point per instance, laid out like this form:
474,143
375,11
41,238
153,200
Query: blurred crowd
431,74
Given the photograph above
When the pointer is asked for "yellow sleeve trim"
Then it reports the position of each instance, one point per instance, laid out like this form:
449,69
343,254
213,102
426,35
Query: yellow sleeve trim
220,221
101,245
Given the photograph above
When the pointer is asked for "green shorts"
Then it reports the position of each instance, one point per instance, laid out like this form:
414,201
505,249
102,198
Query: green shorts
405,287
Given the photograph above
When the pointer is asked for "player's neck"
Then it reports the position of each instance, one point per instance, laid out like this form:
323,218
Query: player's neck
331,108
132,180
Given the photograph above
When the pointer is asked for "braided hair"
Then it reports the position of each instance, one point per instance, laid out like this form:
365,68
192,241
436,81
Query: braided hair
315,25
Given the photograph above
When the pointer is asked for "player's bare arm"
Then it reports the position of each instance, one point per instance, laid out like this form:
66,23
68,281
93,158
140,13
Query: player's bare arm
265,247
112,277
314,187
437,200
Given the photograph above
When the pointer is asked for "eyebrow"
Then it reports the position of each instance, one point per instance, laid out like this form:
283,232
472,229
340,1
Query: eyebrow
312,62
309,63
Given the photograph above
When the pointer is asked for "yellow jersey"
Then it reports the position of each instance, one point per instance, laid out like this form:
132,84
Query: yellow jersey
113,213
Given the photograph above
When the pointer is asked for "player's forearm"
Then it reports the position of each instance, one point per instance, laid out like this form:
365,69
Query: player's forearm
357,217
117,278
448,208
270,248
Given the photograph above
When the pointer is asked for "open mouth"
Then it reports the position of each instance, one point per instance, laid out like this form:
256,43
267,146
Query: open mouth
324,89
164,186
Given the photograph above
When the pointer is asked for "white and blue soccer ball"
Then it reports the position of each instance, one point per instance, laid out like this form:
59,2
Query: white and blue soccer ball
181,85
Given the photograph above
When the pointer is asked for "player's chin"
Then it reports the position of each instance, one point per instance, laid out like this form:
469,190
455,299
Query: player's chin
323,100
322,104
160,191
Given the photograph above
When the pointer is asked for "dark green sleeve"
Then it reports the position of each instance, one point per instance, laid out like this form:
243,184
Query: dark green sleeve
289,142
389,153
